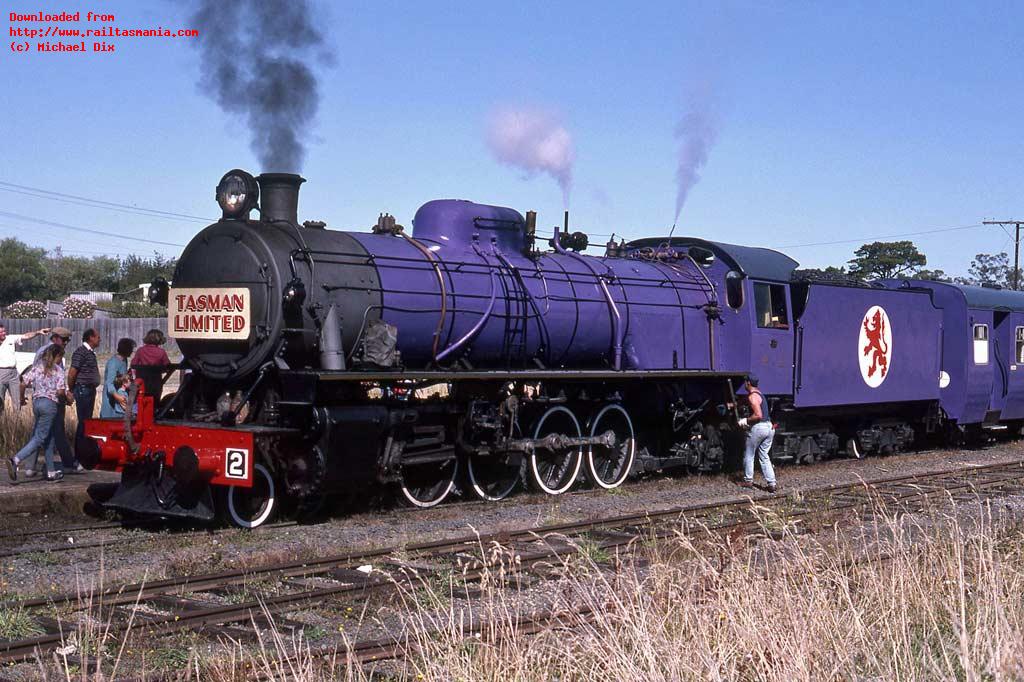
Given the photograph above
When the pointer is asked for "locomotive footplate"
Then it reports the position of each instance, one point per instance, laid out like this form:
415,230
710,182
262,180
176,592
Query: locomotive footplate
150,488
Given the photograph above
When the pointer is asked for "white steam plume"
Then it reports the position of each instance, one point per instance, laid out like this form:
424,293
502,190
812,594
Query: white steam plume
696,132
534,141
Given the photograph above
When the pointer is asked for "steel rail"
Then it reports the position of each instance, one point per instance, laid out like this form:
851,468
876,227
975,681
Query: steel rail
907,487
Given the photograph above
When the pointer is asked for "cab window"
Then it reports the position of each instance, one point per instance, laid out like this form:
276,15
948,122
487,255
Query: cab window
1020,345
981,344
770,305
734,289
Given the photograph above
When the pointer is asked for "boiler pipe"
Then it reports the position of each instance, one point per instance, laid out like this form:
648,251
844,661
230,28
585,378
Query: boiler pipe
482,321
616,316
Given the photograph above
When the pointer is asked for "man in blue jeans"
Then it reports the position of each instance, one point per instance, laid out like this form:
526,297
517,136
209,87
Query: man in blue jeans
83,378
759,438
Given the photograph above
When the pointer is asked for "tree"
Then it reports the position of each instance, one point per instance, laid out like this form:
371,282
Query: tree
65,274
136,270
933,275
829,274
989,268
883,260
22,274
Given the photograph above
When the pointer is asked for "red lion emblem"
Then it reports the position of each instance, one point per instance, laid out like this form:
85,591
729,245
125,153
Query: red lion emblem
876,344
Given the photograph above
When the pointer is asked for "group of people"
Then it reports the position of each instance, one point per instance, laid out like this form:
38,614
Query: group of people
55,386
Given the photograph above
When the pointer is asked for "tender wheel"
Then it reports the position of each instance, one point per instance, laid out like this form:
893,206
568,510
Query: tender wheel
608,467
252,507
554,472
427,484
853,450
494,477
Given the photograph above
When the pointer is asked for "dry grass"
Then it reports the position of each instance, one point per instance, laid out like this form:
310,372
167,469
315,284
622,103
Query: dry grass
16,428
903,599
942,602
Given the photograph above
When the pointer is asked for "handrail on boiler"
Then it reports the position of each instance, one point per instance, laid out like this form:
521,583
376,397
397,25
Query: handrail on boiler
482,321
440,282
614,309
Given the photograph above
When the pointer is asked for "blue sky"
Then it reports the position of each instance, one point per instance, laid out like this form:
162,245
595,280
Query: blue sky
837,121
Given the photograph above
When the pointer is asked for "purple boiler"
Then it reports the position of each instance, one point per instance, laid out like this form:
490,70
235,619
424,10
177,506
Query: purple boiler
465,290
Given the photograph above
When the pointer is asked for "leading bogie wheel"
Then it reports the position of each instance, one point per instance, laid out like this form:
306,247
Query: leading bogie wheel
608,467
252,507
554,471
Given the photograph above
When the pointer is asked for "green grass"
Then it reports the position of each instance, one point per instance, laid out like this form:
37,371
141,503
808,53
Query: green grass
592,551
16,624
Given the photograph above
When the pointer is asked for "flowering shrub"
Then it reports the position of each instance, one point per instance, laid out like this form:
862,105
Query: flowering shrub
78,308
26,310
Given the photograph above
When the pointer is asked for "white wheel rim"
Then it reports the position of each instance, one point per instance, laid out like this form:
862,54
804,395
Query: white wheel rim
592,468
537,478
416,502
268,506
478,489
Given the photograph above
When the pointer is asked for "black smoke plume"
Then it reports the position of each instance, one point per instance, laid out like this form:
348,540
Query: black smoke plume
256,60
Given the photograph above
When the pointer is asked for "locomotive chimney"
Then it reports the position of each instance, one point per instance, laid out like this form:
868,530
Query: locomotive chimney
279,197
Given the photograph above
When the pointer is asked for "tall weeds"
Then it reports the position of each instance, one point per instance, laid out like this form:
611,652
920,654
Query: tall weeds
923,602
908,598
16,428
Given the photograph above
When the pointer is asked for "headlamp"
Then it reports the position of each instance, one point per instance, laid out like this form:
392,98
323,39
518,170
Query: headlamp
294,293
237,193
158,291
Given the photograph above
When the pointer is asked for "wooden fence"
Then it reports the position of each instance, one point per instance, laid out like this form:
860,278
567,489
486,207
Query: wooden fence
111,331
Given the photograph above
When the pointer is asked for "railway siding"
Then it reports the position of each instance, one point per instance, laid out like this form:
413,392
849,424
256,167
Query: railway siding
215,603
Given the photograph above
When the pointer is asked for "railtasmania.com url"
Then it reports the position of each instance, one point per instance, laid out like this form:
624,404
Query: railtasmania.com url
102,32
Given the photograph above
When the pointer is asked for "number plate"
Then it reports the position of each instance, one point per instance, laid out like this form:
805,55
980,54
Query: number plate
236,463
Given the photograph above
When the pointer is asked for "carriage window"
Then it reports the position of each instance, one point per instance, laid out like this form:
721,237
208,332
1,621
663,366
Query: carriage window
1020,344
770,302
981,344
734,289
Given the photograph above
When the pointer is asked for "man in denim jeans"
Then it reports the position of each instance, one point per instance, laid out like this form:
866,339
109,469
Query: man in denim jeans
759,438
83,378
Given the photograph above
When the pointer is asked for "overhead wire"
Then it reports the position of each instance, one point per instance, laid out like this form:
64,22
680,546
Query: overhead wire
888,236
17,231
87,230
40,193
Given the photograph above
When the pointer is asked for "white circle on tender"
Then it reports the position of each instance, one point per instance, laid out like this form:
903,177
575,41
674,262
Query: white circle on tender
944,379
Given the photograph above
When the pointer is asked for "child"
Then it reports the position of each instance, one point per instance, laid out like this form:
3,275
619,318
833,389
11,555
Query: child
122,381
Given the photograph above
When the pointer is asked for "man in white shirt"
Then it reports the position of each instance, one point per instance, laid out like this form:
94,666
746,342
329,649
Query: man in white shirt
9,378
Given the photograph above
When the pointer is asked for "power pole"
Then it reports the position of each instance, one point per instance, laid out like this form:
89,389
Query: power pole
1016,247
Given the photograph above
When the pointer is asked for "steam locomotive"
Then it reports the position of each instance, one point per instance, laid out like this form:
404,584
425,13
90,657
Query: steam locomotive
474,355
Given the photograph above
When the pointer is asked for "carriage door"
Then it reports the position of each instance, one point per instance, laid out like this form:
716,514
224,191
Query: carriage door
1014,405
771,346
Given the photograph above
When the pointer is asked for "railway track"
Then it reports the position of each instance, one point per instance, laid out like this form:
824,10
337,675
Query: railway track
210,603
110,541
10,547
178,529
